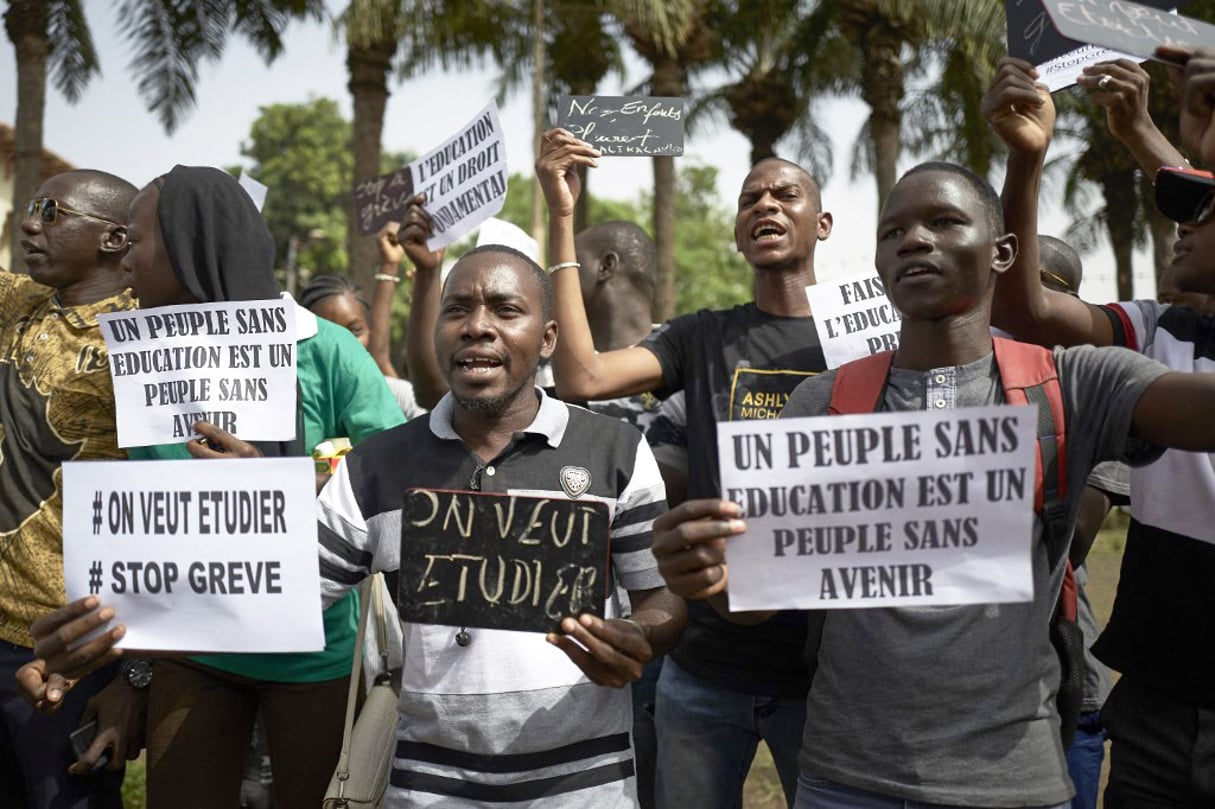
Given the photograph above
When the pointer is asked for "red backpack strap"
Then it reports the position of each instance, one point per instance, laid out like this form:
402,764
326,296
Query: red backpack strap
858,384
1028,374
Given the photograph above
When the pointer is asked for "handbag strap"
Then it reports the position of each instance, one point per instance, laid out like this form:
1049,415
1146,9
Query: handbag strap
381,623
342,773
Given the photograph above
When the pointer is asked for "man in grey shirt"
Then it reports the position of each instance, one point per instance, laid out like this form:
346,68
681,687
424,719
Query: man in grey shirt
949,706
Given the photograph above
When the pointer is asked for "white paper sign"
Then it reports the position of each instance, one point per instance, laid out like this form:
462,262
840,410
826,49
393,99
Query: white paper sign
255,190
198,555
232,364
1062,71
881,510
464,180
854,318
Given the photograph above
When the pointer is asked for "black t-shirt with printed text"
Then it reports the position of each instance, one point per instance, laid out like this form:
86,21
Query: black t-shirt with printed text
735,364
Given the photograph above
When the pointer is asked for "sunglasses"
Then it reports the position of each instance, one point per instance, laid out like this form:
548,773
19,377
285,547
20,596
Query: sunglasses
48,210
1204,209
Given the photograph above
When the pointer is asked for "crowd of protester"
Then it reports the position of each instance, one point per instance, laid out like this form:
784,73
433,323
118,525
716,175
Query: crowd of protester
664,700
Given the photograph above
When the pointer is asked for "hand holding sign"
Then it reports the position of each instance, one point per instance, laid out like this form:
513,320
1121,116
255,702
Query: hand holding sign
57,638
1197,100
416,230
612,653
690,546
1121,87
556,169
217,443
1018,108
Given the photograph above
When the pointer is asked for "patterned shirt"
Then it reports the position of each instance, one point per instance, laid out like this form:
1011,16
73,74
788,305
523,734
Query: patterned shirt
56,405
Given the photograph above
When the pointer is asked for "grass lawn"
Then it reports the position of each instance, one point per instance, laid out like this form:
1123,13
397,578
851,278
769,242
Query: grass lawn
763,787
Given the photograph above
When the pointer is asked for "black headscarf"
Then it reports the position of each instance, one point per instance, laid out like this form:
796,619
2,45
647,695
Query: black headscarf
221,250
216,238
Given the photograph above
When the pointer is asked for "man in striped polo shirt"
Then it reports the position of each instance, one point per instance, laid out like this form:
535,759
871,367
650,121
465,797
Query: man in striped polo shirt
492,716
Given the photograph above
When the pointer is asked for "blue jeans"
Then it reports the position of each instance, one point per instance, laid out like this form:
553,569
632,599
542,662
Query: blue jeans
707,736
37,752
645,742
815,793
1084,759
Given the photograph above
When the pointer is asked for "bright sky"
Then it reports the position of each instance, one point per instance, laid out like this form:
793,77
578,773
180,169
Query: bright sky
110,129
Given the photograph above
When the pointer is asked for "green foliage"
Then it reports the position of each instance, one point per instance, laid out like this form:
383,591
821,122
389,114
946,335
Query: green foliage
709,270
302,153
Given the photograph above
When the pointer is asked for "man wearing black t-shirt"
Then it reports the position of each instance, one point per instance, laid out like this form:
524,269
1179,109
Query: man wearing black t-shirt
725,687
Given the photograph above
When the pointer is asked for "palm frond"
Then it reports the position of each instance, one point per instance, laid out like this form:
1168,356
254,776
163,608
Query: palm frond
73,58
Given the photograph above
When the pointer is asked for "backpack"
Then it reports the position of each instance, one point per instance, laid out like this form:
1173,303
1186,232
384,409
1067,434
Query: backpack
1027,374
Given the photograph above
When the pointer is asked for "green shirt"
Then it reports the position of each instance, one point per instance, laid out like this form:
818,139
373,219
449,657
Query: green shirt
342,394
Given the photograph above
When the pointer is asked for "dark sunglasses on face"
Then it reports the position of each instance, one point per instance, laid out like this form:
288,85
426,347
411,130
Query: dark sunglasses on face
1205,209
48,210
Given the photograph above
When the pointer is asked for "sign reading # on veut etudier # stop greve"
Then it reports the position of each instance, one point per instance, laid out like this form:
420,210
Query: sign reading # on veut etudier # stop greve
231,364
881,510
501,561
198,555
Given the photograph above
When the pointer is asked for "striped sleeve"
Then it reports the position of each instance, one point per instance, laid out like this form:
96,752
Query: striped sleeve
346,547
643,499
1134,323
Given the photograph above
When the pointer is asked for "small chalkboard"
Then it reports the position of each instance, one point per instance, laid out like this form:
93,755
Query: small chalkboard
1033,38
475,559
623,126
381,200
1133,28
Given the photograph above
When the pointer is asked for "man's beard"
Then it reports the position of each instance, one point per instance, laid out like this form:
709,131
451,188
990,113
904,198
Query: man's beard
493,406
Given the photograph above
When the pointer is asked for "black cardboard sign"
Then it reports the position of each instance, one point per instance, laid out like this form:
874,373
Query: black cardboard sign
624,126
1133,28
381,200
1033,37
495,561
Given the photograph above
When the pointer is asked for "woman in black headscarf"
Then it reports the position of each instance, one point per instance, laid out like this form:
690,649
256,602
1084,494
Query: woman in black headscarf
196,237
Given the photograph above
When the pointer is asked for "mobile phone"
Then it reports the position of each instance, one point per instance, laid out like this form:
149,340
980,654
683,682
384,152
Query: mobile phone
82,737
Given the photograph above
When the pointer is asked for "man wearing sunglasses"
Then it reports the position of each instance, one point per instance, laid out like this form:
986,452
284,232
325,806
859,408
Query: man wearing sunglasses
1160,716
56,405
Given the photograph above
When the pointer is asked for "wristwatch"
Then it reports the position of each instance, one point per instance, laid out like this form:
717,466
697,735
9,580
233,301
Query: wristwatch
138,673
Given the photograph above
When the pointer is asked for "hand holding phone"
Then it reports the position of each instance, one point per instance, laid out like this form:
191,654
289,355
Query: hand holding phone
81,738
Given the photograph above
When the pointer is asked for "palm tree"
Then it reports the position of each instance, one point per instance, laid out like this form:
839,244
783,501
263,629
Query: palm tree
373,30
890,41
770,50
410,36
169,40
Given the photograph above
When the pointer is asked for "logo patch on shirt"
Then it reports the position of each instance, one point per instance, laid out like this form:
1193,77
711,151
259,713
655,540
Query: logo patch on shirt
575,480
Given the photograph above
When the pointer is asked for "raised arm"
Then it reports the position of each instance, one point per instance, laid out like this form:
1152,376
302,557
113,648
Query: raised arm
1197,99
580,373
429,385
1022,113
386,279
1122,87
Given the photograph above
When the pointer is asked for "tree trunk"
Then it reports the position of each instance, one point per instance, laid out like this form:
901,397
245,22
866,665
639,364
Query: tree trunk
882,89
368,68
26,24
668,81
539,232
1162,229
1121,202
1124,267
